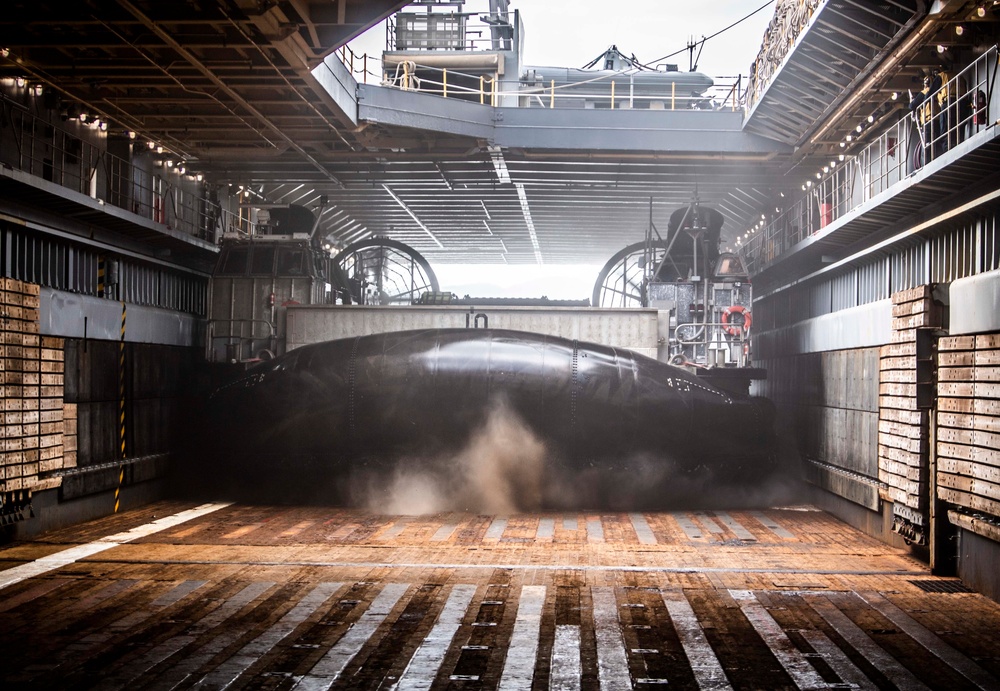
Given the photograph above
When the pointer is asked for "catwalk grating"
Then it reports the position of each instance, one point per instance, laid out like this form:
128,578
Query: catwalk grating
237,596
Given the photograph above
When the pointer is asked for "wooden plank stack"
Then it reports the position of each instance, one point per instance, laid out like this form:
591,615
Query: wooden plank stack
31,368
906,391
968,422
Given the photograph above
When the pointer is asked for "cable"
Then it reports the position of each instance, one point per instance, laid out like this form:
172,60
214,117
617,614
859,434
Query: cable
709,38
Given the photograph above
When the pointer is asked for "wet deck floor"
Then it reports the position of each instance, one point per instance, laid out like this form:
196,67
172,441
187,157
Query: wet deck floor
235,596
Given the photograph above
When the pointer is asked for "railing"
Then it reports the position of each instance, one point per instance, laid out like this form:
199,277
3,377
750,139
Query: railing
146,185
704,338
604,91
240,341
961,108
357,64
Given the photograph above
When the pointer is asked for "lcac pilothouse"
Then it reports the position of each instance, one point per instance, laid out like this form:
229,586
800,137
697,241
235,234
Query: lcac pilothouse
703,297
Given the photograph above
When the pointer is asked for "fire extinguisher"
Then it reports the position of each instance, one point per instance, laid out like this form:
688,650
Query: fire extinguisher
979,115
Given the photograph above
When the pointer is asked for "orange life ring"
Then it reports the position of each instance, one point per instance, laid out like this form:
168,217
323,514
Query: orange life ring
734,329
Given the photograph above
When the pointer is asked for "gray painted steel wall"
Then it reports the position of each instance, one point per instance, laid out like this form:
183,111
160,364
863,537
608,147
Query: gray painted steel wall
975,304
858,327
71,315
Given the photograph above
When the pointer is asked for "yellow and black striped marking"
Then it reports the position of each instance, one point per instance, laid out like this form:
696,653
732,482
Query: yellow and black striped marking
121,408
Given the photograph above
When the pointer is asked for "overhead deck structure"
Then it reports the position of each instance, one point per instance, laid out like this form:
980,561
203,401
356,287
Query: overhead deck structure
255,99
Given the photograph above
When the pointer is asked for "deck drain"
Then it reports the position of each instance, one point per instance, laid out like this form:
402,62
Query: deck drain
937,586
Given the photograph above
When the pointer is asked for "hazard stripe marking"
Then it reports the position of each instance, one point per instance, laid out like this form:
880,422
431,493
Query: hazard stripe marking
735,526
426,661
956,660
229,671
325,672
862,642
642,529
612,664
565,670
519,667
692,531
772,525
838,660
74,554
173,645
790,657
707,670
495,531
595,530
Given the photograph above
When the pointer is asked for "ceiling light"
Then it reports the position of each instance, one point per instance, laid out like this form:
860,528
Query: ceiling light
819,176
849,137
199,177
782,194
170,164
895,95
39,89
131,134
809,183
83,116
843,144
159,149
959,30
103,125
826,169
980,12
803,188
871,119
19,81
151,145
181,170
841,157
942,48
859,128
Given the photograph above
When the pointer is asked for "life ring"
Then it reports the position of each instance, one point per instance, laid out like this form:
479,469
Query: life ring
734,329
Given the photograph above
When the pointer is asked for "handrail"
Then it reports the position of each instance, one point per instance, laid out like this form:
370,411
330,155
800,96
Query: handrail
708,334
239,338
149,185
936,122
553,95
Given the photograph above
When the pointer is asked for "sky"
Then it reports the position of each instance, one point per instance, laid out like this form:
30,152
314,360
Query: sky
571,34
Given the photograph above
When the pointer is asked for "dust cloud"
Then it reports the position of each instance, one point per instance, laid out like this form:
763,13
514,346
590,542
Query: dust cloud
500,470
505,468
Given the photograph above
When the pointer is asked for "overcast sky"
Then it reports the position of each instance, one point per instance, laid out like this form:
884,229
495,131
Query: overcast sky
571,34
